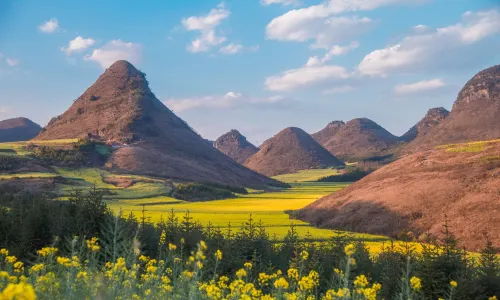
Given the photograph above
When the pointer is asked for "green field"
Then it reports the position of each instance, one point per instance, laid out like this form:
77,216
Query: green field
19,148
267,207
306,175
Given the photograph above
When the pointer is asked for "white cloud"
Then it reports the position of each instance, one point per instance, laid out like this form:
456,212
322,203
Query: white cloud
50,26
443,46
334,51
116,50
78,44
339,90
12,61
318,22
237,48
231,49
282,2
4,110
306,77
206,25
419,87
229,100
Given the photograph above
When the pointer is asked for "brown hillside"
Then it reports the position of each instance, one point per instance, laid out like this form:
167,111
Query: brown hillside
149,138
236,146
358,139
18,129
475,114
289,151
328,132
433,118
417,191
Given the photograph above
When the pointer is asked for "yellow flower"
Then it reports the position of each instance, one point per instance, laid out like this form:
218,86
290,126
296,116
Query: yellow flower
4,252
177,260
352,261
248,265
199,265
377,286
493,298
361,281
18,267
172,247
338,272
11,259
47,251
37,268
143,258
163,238
218,255
64,261
92,245
349,249
293,274
21,291
203,245
281,283
4,275
241,273
416,283
304,255
453,284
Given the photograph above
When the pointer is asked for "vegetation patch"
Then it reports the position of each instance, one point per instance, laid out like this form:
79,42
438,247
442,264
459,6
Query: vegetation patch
306,175
472,147
349,174
203,192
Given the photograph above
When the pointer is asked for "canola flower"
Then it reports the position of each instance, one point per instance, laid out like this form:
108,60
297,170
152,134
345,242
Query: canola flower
453,284
415,283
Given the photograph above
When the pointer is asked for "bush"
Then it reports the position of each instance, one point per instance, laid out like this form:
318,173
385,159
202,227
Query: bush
350,174
201,192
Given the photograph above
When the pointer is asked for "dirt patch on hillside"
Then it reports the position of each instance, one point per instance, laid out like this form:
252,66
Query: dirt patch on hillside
418,192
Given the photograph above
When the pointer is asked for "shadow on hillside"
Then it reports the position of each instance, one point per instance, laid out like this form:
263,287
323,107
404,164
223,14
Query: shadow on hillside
357,216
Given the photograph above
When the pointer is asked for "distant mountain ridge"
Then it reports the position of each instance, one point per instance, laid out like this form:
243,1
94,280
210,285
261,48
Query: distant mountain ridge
289,151
357,139
235,145
432,118
475,114
150,139
18,129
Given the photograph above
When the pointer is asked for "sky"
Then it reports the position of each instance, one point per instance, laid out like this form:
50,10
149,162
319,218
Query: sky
257,66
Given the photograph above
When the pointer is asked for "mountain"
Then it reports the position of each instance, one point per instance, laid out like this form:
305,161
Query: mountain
289,151
148,137
18,129
433,118
358,139
236,146
418,192
328,132
475,114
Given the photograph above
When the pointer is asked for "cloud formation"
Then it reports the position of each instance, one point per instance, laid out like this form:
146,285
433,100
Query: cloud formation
334,51
431,50
282,2
207,26
116,50
50,26
307,77
234,48
321,23
12,61
419,87
78,44
229,100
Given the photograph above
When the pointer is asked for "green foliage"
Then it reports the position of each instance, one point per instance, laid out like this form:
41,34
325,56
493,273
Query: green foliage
350,174
201,192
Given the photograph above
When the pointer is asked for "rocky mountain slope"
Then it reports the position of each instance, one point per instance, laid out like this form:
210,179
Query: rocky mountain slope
18,129
235,145
358,139
291,150
433,118
475,114
148,138
418,192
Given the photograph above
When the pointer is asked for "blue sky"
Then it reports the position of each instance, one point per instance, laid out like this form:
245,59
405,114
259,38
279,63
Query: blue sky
254,65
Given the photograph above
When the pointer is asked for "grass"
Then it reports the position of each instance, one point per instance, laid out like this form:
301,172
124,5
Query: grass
27,175
472,147
306,175
19,148
267,207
